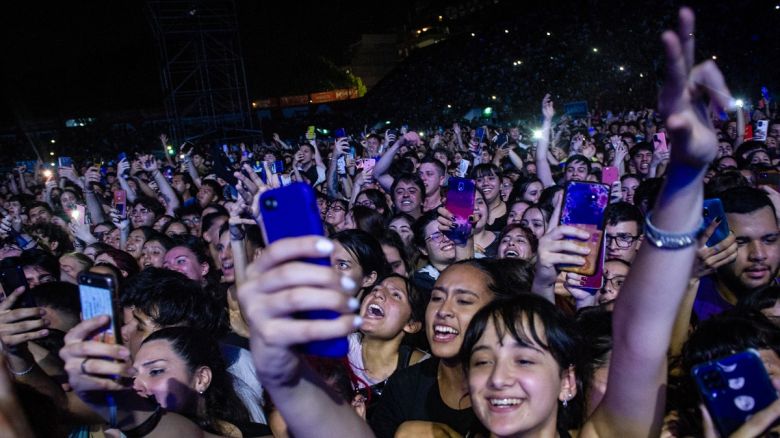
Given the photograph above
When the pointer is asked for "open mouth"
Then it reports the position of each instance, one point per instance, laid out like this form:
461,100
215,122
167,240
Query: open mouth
227,266
511,254
443,333
375,311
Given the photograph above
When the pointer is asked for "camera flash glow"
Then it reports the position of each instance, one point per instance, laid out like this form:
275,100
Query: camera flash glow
74,214
537,134
47,173
739,103
621,68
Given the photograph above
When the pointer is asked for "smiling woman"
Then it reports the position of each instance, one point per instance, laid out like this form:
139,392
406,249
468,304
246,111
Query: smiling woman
460,291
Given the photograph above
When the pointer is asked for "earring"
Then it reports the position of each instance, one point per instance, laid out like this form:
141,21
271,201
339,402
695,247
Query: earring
200,392
565,402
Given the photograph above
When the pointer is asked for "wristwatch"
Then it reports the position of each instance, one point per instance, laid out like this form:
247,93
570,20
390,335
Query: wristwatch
664,240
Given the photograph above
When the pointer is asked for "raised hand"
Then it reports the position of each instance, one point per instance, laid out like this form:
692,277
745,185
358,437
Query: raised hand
682,101
548,111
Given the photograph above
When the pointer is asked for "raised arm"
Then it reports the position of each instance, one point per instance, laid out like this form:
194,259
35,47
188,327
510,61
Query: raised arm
543,171
277,287
169,195
94,204
646,309
383,165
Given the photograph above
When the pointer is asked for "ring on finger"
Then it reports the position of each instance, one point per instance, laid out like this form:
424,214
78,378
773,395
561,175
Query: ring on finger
83,364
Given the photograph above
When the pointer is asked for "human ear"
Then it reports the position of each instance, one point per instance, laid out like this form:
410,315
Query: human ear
202,379
413,327
368,280
568,384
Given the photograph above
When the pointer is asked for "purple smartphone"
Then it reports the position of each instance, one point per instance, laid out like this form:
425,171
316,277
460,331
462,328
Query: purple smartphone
583,207
292,211
460,202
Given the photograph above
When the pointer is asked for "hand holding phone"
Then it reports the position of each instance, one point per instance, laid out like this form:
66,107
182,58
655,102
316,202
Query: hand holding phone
291,211
98,295
583,207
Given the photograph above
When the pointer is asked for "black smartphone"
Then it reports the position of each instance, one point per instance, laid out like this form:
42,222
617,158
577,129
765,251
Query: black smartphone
12,278
98,294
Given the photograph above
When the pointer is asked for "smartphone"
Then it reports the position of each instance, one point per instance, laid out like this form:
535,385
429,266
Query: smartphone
98,294
12,278
593,283
65,162
286,179
734,388
341,165
460,202
659,142
120,202
768,178
367,164
291,211
277,166
79,214
609,175
463,167
501,139
762,127
583,207
340,133
480,134
748,132
713,209
311,133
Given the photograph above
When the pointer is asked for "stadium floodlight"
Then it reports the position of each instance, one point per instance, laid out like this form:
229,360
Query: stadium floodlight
487,111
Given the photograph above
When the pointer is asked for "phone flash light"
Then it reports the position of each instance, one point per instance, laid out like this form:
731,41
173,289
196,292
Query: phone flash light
47,173
537,134
739,103
74,214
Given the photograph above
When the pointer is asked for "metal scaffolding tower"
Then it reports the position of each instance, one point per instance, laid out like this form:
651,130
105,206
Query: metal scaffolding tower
201,67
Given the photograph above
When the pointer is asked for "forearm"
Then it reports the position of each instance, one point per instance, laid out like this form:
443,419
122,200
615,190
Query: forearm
145,189
740,128
543,171
333,179
193,173
515,159
384,163
131,196
167,192
95,207
239,257
325,417
683,321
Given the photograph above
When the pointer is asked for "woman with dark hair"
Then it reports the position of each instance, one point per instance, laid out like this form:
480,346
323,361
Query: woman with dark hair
485,241
517,242
125,262
536,219
154,250
527,189
402,224
395,253
336,214
488,178
373,199
182,369
366,219
136,240
392,311
359,256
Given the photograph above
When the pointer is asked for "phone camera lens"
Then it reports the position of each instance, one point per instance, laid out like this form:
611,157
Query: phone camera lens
270,203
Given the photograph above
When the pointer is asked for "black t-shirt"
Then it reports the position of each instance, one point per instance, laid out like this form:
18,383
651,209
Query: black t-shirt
413,394
498,224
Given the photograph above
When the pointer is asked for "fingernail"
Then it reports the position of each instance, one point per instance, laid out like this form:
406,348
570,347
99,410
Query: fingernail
347,283
124,352
453,218
324,246
357,322
353,303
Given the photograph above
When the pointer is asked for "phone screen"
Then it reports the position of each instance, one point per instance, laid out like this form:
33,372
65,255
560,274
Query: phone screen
584,205
460,202
97,301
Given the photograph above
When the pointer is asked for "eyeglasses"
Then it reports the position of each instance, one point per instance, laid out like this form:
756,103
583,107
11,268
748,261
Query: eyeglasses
336,208
437,237
368,204
193,221
622,240
616,281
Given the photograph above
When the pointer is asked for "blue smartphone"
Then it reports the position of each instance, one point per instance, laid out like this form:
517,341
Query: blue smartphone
734,388
460,202
291,211
480,134
713,209
65,161
340,133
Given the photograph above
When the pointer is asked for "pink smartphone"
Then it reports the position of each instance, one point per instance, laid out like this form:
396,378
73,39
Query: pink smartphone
593,283
659,142
609,175
460,202
120,202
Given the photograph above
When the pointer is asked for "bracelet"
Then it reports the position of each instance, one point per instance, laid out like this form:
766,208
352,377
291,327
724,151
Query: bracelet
147,426
665,240
21,373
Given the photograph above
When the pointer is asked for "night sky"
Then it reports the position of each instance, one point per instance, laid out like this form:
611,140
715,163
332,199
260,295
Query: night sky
66,59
